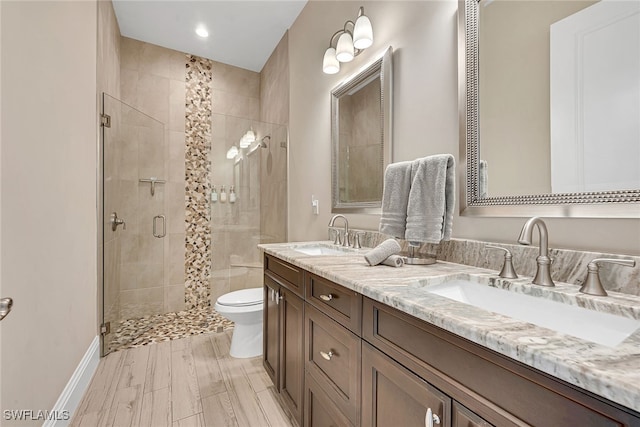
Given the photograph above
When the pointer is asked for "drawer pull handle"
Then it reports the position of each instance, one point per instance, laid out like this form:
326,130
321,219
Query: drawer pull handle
326,297
326,356
430,419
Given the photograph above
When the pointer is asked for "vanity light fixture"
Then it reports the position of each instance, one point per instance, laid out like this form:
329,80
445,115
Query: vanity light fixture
232,152
347,43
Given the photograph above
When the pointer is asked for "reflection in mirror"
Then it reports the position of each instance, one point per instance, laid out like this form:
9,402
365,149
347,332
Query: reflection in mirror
549,115
361,138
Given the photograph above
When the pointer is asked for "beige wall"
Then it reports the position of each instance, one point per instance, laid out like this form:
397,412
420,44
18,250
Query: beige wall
424,38
49,197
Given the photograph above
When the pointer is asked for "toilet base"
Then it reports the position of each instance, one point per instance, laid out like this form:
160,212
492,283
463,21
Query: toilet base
246,341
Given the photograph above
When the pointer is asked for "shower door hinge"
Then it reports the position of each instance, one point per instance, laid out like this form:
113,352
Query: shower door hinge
105,328
105,120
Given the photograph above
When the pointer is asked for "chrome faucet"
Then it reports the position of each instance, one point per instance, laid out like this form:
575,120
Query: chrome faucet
543,273
345,241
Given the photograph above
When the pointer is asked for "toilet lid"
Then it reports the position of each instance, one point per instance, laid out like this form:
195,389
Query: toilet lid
242,297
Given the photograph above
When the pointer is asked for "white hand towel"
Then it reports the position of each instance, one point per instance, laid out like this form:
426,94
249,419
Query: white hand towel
383,251
394,261
395,196
431,199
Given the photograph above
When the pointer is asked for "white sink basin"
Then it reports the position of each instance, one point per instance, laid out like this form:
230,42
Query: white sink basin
319,249
601,328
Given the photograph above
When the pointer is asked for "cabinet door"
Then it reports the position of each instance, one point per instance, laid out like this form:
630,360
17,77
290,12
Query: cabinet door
394,396
463,417
292,351
320,411
271,331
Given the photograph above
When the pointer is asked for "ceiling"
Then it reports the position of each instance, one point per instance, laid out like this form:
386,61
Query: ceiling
242,33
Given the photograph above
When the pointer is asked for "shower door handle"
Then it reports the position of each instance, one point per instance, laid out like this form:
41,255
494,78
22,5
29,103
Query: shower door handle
155,226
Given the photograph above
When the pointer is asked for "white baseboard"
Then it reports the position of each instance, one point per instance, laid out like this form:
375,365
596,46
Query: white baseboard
76,387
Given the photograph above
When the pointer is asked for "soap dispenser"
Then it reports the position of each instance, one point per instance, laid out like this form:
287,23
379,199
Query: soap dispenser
214,194
232,194
223,195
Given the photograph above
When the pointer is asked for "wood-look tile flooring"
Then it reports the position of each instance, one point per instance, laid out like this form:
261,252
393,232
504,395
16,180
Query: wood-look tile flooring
182,383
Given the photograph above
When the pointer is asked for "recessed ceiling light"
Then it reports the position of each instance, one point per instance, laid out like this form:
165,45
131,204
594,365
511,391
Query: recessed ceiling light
202,32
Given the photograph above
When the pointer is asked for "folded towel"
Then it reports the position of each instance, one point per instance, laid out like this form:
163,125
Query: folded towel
381,252
395,196
394,261
431,199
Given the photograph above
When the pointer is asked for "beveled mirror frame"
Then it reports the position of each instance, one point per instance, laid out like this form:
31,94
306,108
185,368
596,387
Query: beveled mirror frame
604,204
383,67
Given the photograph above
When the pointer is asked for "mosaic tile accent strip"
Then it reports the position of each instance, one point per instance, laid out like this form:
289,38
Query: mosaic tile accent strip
166,327
199,75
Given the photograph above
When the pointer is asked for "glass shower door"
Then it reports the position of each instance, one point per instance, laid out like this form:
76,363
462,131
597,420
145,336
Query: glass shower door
133,155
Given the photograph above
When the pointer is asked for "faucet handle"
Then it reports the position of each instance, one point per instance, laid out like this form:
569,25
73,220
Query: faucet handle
507,272
356,240
592,284
337,240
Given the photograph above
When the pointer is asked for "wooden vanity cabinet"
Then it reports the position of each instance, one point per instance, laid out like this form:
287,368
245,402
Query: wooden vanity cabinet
283,332
498,390
387,368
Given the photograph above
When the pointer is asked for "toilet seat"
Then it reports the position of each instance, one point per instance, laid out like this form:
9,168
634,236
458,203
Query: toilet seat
242,298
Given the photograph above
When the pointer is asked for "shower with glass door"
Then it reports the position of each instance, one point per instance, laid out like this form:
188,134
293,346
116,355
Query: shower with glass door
134,221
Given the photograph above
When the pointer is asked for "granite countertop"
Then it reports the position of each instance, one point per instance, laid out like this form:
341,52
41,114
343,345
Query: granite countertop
613,373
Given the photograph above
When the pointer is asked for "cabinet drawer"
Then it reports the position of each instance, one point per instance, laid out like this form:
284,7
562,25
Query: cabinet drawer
319,410
499,389
332,357
292,275
395,396
341,304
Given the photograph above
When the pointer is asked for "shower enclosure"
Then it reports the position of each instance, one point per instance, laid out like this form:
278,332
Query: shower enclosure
134,220
145,256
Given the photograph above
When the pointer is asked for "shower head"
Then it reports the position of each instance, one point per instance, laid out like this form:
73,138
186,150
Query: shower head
261,144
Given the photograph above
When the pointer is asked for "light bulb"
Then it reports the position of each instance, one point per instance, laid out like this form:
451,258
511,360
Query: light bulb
232,152
202,32
362,33
344,50
330,64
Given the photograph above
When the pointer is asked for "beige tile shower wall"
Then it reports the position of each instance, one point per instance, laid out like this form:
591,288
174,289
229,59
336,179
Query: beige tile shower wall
234,227
108,81
153,81
274,108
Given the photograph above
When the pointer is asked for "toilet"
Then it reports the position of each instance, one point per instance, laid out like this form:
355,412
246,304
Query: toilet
244,308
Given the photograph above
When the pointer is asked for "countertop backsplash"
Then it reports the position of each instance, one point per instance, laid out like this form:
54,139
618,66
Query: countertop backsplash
568,266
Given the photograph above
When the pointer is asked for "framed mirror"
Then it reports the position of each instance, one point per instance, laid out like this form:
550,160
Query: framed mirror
361,132
548,109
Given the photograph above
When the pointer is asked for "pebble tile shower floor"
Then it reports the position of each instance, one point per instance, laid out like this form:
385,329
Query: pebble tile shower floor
168,326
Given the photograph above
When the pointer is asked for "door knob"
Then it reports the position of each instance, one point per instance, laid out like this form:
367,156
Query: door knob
5,307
